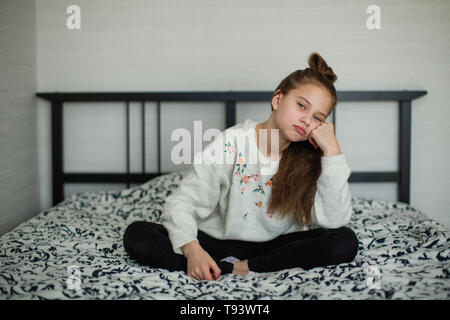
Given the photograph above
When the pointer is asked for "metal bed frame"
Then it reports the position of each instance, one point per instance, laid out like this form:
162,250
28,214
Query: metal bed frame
229,98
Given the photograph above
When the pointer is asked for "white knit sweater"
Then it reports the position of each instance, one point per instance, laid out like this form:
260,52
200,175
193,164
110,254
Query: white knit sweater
227,194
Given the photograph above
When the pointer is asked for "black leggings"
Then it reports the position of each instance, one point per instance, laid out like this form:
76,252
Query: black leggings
148,243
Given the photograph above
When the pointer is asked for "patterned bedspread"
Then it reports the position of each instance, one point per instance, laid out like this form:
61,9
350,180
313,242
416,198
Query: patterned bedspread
74,251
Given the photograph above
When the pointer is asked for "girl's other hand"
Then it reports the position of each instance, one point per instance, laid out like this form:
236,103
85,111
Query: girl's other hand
200,265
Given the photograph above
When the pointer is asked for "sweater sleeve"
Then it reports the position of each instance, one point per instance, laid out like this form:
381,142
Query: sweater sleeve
332,203
195,198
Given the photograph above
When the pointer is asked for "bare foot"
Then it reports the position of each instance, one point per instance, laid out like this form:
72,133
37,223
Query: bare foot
241,267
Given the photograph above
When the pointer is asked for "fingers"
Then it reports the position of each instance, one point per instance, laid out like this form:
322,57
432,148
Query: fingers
206,274
211,272
201,274
194,275
203,268
216,271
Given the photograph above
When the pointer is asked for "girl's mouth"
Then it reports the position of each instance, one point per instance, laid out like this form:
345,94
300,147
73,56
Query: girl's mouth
299,130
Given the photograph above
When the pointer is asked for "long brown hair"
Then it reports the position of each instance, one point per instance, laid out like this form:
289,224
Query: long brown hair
294,185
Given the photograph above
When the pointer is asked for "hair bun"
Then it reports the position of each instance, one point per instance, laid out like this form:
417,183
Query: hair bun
318,64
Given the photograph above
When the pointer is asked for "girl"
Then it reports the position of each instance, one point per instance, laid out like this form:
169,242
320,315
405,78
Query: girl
236,217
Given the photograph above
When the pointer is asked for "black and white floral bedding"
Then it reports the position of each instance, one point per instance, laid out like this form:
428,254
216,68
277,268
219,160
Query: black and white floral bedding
74,251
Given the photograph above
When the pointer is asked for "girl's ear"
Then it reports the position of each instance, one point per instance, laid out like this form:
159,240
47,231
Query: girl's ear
276,100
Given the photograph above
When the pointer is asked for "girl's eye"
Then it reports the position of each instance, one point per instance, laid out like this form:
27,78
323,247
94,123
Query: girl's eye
301,105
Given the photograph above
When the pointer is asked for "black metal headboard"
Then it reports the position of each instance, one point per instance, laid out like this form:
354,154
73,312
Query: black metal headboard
229,98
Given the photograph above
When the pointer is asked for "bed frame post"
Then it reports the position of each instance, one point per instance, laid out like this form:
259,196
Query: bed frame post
404,165
230,114
57,151
127,142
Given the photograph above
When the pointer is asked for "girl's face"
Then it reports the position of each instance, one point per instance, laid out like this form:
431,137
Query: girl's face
306,107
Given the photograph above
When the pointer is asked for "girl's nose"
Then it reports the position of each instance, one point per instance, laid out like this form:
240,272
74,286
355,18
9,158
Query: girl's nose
306,120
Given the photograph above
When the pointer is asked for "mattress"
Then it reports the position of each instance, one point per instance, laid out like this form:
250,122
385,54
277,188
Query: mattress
74,250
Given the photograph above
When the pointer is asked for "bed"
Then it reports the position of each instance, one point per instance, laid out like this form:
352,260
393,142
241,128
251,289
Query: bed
74,249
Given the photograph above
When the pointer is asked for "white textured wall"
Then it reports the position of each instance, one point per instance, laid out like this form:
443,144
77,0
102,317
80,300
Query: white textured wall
19,184
249,45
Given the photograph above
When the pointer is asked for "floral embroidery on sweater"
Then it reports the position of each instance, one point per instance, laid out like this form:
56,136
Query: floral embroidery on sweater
245,179
270,213
259,189
240,165
229,148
